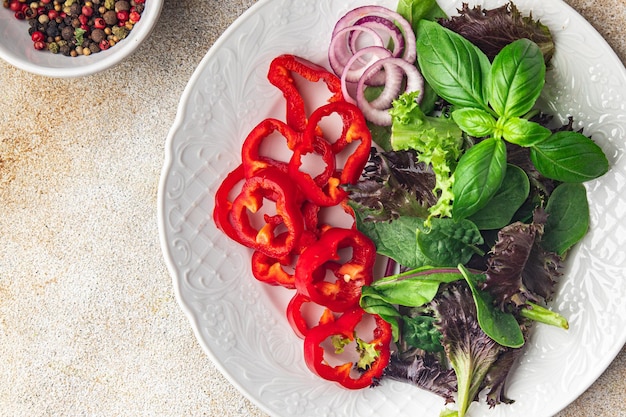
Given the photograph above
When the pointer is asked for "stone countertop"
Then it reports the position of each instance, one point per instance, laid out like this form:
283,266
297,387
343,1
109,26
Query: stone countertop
89,324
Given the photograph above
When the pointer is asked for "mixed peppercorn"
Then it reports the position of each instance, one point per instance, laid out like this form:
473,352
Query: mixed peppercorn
77,27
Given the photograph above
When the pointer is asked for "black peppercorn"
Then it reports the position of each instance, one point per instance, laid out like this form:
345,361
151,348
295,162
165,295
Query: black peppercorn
67,33
75,9
97,35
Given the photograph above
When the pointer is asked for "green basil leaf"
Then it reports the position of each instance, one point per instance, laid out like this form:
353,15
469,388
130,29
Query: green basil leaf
478,177
523,132
517,78
474,122
450,242
508,199
568,156
502,327
454,67
568,218
414,11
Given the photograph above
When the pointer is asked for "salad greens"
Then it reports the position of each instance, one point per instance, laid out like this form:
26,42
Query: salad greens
437,140
475,199
493,100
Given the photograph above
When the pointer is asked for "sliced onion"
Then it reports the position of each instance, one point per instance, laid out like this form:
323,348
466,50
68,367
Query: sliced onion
377,114
350,18
352,76
339,52
385,27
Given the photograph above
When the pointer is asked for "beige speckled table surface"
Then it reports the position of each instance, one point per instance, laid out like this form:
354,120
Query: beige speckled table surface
89,324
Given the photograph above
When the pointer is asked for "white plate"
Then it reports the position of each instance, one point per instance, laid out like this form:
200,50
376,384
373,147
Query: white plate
241,324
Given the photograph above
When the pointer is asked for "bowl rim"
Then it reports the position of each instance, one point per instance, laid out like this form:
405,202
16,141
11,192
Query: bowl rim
139,33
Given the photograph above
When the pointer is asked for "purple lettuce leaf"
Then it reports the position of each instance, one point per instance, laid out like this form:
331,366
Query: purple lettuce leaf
491,30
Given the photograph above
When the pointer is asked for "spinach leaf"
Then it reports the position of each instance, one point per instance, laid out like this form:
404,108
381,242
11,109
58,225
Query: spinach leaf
413,288
374,303
569,156
396,239
455,68
449,242
416,287
517,78
568,218
478,177
541,314
500,326
508,199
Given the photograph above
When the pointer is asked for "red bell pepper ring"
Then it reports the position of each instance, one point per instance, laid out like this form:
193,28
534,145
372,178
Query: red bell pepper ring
323,189
374,354
297,320
324,255
251,157
273,185
272,271
280,74
354,129
223,203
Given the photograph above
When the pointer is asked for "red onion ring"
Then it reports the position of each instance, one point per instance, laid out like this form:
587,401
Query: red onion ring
375,113
385,26
339,55
353,76
350,18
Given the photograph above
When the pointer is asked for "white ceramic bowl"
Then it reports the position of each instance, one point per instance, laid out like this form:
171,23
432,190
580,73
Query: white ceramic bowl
16,47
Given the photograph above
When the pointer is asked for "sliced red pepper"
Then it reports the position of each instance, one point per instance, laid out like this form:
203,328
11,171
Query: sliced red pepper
270,239
354,129
280,75
374,354
296,319
272,271
324,255
251,157
223,204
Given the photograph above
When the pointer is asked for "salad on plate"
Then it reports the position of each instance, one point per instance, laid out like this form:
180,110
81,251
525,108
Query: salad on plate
462,196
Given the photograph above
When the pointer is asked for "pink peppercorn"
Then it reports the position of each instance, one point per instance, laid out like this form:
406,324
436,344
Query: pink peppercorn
38,36
104,45
122,16
87,11
134,17
39,45
99,23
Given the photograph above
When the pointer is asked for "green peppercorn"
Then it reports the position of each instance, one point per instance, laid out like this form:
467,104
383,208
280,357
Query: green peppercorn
120,32
109,4
53,47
